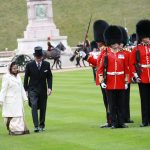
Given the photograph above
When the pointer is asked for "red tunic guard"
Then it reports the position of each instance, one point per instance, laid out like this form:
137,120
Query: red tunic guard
116,71
144,62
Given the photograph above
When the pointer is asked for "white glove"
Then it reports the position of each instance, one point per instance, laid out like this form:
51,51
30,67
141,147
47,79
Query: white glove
126,86
82,54
103,85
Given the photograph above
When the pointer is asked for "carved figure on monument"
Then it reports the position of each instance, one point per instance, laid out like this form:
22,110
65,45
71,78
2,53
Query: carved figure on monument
41,11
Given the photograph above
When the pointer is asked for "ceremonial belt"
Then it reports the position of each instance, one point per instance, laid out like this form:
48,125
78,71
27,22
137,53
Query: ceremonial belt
115,73
145,66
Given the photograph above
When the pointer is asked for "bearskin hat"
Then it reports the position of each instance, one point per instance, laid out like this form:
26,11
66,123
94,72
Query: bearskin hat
113,35
124,35
143,29
93,45
98,29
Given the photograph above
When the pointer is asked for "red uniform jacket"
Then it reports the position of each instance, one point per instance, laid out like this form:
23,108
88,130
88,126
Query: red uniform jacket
144,62
96,62
116,71
92,60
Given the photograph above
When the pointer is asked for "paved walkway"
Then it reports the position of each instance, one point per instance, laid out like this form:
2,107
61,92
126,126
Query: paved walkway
71,69
60,70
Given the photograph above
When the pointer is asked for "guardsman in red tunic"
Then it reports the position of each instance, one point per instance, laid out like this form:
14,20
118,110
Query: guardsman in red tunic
140,68
115,79
99,27
127,52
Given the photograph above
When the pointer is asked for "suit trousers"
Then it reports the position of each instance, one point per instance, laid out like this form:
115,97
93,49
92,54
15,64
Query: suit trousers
38,101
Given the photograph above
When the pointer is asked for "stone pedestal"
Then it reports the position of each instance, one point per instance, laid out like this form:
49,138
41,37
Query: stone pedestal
40,27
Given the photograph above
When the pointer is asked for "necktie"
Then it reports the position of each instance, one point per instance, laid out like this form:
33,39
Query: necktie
39,66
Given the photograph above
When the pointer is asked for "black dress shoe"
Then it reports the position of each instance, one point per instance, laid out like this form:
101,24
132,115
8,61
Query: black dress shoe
36,129
129,121
105,125
144,125
123,126
41,129
113,127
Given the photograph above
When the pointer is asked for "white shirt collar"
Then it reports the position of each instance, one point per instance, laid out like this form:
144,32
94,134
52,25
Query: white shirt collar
38,63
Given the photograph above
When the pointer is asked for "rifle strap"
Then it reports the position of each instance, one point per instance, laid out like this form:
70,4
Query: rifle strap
137,56
138,70
105,65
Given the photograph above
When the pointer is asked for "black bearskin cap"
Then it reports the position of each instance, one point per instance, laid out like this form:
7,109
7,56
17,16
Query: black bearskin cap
93,45
99,27
113,35
143,29
124,35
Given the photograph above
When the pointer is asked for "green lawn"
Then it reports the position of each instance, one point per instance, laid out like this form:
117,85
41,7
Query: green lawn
74,112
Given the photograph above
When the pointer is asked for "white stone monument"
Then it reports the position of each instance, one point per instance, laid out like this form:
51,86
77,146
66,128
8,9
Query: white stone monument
40,27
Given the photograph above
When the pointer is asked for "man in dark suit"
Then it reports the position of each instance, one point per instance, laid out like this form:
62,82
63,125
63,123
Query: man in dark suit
38,85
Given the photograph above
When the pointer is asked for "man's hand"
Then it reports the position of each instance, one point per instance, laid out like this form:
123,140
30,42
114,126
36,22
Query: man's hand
49,91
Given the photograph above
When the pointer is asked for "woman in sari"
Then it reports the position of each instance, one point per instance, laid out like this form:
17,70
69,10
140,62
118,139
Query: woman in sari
11,98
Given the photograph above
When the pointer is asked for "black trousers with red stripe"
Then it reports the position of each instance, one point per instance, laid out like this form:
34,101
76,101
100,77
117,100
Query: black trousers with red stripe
115,98
105,100
126,104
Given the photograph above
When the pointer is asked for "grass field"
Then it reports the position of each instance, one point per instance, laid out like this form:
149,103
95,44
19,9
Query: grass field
74,112
71,17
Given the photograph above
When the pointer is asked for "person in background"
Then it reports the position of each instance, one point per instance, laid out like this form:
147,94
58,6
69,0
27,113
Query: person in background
133,40
124,49
140,68
12,96
115,78
49,45
38,85
99,27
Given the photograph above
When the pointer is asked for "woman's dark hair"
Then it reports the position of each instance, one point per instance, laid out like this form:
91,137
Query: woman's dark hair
11,65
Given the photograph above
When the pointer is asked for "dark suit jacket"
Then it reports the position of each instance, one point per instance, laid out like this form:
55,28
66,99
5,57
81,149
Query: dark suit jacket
39,80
